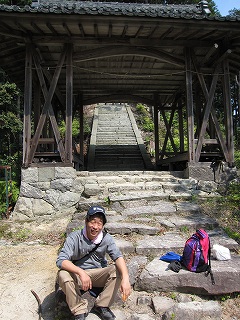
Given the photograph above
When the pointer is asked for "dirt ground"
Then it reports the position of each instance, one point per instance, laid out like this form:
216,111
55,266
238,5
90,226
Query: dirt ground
29,265
24,268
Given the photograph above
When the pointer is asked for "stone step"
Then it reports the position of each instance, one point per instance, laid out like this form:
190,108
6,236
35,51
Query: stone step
116,137
123,166
119,157
130,185
105,153
156,273
118,148
155,208
175,240
115,126
136,174
146,182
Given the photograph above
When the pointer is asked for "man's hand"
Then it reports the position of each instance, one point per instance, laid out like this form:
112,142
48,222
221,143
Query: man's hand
125,286
85,280
125,289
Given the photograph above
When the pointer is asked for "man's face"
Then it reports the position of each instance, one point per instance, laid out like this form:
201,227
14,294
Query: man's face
94,227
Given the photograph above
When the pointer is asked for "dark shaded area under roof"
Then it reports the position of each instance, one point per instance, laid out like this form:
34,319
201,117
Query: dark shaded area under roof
120,49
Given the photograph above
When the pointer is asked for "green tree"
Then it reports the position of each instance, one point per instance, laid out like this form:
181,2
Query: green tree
234,12
10,126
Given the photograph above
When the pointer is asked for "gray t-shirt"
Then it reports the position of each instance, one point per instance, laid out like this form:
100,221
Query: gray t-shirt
77,246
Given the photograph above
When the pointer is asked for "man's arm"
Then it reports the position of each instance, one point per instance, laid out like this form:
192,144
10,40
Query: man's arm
125,287
85,279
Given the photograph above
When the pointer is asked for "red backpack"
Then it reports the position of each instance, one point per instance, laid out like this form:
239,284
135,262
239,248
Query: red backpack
196,253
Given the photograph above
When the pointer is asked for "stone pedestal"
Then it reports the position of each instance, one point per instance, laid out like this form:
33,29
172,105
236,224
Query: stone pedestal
47,191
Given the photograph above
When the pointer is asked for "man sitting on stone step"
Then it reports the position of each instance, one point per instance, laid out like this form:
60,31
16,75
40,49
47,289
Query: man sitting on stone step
83,267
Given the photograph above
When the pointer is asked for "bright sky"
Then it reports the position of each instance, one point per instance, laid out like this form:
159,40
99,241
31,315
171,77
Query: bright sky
225,5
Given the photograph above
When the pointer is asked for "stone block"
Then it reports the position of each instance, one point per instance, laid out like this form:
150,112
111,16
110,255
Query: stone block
171,241
226,275
77,185
134,266
46,174
141,316
61,184
65,173
29,175
128,228
23,209
41,207
162,304
125,246
68,199
30,191
43,185
194,310
52,197
91,189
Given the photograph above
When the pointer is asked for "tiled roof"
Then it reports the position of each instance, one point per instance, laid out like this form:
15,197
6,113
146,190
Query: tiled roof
195,11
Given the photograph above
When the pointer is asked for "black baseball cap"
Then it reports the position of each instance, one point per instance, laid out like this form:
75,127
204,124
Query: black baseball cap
97,210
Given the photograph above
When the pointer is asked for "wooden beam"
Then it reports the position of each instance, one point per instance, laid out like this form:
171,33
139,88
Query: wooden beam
168,128
180,124
42,118
219,134
213,111
156,128
110,51
189,105
27,106
81,124
69,103
207,113
228,112
46,107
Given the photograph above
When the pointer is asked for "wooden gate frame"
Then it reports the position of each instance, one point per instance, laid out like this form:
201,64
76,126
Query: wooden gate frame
196,138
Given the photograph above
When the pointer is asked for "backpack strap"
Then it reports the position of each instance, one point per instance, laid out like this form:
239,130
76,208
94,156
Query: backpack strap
209,269
94,249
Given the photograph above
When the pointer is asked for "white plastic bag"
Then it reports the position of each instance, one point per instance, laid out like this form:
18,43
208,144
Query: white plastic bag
220,252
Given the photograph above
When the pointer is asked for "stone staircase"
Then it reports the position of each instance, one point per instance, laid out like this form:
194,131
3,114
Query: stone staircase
149,214
116,142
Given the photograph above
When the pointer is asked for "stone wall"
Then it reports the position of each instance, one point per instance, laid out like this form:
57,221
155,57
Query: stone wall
47,191
56,191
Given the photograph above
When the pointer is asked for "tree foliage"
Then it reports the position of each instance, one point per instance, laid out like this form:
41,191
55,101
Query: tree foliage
11,126
234,12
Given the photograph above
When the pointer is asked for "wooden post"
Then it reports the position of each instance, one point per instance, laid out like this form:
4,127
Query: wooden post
189,106
156,130
81,131
69,104
27,106
36,104
180,123
228,112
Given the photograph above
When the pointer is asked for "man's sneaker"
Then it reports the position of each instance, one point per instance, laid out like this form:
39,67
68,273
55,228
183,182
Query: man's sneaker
103,313
80,316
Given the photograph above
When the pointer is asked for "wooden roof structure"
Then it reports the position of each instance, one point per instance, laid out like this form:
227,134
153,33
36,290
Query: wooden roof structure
65,55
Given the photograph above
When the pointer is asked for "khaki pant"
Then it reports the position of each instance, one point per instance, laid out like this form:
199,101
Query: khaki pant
108,278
